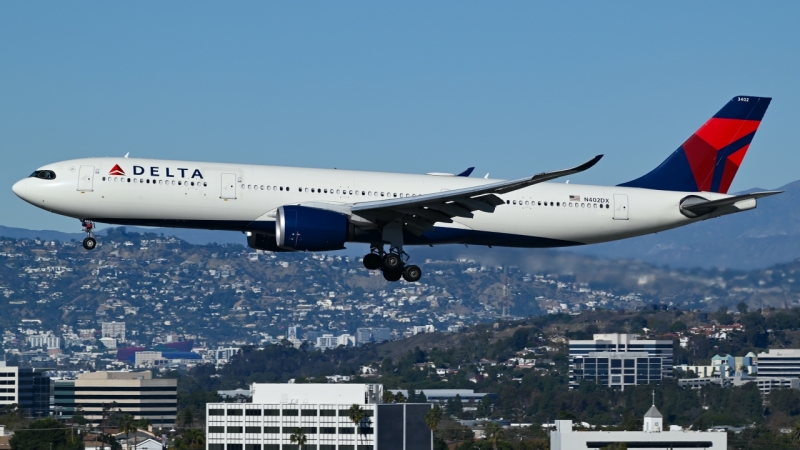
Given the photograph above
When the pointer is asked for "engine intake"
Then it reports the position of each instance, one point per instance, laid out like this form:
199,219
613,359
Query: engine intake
313,229
261,241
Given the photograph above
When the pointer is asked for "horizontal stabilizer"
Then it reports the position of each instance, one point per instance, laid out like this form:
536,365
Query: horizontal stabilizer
696,207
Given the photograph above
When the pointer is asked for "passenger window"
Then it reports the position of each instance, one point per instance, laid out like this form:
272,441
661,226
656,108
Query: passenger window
558,203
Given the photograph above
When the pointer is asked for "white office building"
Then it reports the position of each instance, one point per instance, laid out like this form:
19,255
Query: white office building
47,341
653,436
114,330
619,360
321,411
779,362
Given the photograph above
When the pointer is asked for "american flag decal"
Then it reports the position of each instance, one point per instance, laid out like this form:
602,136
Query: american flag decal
574,198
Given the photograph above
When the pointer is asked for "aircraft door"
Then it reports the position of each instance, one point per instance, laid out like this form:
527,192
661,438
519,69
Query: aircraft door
620,207
228,186
85,178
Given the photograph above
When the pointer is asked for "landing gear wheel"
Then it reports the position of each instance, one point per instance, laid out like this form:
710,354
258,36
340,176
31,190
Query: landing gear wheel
392,275
392,262
372,261
89,243
412,273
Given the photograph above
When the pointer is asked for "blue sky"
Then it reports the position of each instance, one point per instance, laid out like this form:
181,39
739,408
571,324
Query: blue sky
513,88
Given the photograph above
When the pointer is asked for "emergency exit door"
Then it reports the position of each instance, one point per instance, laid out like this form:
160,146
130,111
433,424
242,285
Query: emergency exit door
85,178
228,186
620,207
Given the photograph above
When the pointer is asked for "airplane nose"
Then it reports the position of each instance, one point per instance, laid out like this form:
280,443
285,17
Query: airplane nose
21,189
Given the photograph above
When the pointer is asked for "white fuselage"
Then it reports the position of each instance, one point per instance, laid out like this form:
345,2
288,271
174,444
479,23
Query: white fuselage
233,196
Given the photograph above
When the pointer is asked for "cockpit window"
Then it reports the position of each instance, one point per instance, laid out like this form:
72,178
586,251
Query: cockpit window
44,174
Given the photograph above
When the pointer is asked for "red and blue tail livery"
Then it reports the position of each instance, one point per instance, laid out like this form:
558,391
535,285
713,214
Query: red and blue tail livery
710,158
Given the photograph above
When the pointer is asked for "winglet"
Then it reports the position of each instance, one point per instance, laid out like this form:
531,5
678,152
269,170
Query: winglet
466,173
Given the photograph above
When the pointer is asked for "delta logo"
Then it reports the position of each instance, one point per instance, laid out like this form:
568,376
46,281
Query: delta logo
156,171
116,170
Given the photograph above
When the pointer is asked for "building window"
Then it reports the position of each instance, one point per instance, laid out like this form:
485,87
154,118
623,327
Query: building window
216,446
252,446
274,430
327,412
272,412
289,412
347,430
308,412
216,429
327,430
252,412
216,412
234,412
252,429
236,430
235,447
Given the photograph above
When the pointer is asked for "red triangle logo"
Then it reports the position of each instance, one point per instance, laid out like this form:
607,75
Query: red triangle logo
116,170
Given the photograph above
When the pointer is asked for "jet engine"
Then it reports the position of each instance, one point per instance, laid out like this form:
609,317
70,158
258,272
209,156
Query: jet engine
261,241
314,229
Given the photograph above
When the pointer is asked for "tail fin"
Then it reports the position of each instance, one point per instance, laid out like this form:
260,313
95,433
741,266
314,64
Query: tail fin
709,159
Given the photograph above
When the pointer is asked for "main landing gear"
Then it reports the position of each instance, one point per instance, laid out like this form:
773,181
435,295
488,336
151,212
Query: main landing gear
392,264
89,243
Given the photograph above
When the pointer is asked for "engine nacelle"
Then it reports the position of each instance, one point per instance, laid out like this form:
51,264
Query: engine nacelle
314,229
260,241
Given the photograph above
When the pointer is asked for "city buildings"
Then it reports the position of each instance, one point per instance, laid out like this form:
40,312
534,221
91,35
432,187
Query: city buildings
322,412
29,388
619,360
96,395
652,436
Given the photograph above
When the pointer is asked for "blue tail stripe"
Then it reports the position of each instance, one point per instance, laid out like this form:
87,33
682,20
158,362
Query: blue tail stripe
722,155
674,172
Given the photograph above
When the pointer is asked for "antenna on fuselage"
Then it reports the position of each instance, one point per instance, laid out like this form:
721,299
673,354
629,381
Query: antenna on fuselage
126,154
487,175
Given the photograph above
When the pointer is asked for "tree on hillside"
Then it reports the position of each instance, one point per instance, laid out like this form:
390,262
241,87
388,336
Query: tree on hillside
45,434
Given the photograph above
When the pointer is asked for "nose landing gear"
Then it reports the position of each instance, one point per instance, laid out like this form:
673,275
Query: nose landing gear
89,243
392,264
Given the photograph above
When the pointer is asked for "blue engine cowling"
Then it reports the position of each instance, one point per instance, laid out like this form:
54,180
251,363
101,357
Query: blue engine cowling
304,228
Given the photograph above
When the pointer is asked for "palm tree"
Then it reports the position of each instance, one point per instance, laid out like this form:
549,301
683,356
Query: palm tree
795,436
433,417
128,426
494,434
299,437
356,415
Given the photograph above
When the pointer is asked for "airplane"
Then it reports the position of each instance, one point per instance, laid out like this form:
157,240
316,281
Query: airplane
283,209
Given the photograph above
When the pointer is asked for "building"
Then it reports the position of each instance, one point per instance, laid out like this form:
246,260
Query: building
29,388
613,347
329,341
148,359
652,436
114,330
47,341
376,335
469,398
779,363
321,411
765,384
99,394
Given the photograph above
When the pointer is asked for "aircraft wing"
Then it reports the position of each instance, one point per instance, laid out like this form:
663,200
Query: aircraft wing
420,212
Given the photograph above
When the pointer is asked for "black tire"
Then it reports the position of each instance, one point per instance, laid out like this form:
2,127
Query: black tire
392,275
89,243
412,273
392,262
372,261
